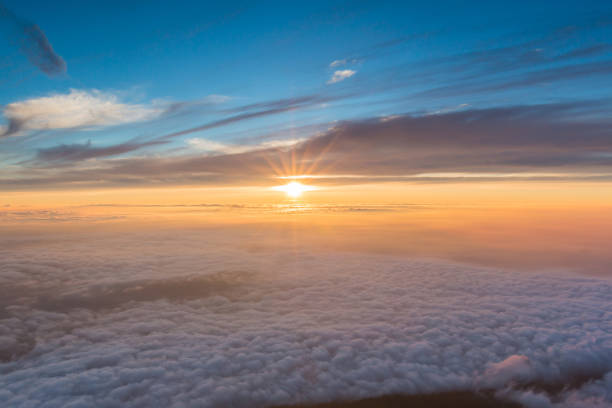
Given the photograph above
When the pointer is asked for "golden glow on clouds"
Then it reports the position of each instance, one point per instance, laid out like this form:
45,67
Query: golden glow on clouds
448,175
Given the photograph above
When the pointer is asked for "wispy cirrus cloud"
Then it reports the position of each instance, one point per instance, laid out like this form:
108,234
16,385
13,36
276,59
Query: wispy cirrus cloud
560,57
33,43
520,80
217,147
343,61
337,63
258,110
68,153
341,75
378,50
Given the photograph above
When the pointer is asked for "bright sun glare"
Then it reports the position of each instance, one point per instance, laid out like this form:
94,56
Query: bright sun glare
294,189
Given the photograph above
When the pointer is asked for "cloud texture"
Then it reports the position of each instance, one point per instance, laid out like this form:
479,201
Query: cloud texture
76,109
341,75
145,319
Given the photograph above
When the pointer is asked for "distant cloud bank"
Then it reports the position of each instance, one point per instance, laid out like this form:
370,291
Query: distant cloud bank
533,140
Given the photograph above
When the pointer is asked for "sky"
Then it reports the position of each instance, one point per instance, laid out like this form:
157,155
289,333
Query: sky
236,94
275,204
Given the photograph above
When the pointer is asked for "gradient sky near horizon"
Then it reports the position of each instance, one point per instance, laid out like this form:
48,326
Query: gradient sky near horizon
106,94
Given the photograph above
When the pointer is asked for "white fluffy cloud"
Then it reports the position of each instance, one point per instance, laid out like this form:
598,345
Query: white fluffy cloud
76,109
201,319
341,75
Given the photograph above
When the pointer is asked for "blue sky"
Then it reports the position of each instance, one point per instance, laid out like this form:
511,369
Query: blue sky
174,78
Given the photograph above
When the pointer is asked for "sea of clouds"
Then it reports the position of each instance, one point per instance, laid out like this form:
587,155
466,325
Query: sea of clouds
201,319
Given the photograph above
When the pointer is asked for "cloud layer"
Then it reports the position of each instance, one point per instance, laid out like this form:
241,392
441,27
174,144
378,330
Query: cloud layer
142,319
547,139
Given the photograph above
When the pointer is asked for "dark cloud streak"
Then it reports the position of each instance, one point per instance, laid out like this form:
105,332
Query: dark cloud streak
539,77
77,152
33,43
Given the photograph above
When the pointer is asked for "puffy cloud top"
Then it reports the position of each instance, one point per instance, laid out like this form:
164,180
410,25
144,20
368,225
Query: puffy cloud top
143,319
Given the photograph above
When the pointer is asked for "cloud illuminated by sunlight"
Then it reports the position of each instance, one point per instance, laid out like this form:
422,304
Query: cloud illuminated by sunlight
76,109
341,75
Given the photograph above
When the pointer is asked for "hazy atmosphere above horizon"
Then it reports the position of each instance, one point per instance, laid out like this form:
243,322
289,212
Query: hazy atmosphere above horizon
270,204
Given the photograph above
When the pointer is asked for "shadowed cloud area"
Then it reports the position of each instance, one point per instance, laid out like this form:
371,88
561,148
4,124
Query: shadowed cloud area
441,400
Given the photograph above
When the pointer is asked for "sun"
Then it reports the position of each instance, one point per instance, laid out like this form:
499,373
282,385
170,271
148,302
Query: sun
294,189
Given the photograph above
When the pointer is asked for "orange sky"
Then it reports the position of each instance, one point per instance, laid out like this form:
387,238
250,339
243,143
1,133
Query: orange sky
506,193
524,225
